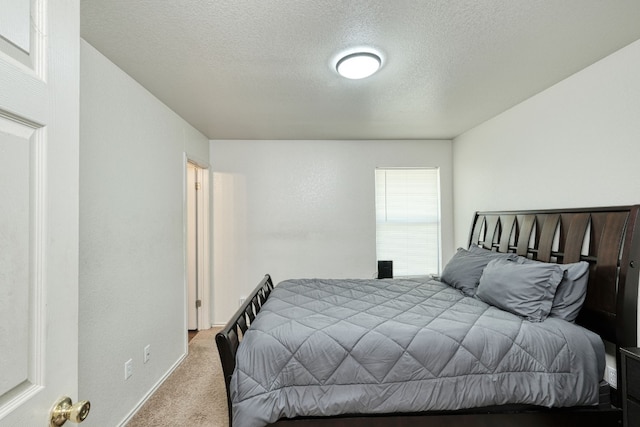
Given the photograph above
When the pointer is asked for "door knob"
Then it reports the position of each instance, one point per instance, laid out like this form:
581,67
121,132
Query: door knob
64,411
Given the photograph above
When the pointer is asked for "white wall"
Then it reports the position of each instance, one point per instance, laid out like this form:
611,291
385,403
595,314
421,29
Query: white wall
131,237
577,144
304,209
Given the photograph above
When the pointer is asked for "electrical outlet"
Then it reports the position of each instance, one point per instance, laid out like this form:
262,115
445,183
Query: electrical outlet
612,376
147,353
242,300
128,369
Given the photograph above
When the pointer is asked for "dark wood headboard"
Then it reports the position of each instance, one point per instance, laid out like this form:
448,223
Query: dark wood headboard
608,238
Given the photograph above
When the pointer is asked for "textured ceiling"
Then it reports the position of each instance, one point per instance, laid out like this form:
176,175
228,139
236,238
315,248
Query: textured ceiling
264,69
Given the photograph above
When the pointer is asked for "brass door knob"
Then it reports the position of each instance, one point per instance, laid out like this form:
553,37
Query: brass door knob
64,411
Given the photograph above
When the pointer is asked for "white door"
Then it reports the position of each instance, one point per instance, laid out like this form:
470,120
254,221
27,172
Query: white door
193,183
197,244
39,80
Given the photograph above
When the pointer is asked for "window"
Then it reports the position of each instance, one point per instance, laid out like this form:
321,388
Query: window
408,219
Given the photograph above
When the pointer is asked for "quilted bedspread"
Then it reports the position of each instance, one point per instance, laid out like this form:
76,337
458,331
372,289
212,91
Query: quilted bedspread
328,347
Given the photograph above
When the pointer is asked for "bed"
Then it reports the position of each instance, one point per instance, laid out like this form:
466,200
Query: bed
410,315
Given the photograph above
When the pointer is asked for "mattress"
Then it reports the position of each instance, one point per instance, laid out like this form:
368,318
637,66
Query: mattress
323,347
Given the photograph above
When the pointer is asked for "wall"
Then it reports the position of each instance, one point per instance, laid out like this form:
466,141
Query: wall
576,144
304,209
132,290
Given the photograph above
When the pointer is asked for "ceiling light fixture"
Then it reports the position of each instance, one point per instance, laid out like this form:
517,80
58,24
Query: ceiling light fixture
358,65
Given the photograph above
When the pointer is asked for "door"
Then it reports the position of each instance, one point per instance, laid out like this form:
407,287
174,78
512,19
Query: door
194,182
197,244
39,76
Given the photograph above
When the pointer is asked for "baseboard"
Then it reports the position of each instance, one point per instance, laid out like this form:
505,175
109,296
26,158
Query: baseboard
151,391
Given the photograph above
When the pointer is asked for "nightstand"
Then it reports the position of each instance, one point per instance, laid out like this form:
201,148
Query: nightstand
631,386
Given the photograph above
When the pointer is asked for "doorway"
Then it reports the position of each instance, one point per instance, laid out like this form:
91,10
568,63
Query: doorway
197,246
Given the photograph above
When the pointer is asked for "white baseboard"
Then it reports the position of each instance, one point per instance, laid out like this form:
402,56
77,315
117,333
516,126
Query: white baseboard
151,391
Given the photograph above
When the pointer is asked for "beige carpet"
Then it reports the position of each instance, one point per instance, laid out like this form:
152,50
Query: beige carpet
193,395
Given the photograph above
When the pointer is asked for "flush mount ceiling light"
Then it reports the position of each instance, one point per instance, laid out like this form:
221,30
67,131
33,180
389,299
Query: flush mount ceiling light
358,65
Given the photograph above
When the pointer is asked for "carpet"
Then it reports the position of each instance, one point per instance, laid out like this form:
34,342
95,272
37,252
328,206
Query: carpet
193,395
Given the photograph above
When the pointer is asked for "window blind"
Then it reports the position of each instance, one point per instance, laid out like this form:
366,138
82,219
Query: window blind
408,219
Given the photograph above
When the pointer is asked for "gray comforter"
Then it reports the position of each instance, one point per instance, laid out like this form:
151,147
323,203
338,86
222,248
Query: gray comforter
328,347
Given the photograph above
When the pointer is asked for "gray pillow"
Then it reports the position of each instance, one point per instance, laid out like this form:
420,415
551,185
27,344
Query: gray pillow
464,269
525,289
475,249
571,291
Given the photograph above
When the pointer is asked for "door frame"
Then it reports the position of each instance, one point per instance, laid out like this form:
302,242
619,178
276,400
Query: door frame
204,241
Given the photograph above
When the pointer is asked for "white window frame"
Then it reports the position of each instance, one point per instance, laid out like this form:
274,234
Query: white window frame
399,216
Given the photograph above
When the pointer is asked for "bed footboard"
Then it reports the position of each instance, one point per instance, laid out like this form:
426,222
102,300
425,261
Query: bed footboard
228,339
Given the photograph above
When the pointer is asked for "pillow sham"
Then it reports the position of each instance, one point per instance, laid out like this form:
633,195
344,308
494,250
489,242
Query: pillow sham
475,249
464,269
572,290
525,289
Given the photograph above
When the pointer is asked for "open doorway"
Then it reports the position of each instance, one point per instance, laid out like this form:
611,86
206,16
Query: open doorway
197,247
